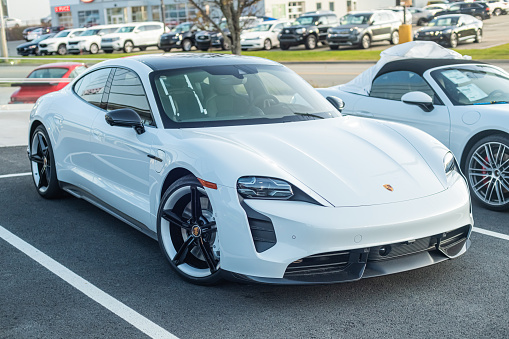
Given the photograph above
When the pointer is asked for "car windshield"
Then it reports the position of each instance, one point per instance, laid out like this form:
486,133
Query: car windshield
261,28
236,95
62,34
473,84
182,28
48,73
41,38
444,22
356,19
126,29
90,32
304,20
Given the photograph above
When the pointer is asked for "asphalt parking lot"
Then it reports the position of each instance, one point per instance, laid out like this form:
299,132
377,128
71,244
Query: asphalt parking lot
132,292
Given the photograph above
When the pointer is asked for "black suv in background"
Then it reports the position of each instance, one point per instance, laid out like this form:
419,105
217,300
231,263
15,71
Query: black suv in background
309,29
362,28
181,36
478,10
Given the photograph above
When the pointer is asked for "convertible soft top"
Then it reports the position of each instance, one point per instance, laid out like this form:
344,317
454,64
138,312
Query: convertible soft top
415,56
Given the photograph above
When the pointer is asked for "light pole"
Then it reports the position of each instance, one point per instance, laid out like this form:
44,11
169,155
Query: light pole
3,39
162,13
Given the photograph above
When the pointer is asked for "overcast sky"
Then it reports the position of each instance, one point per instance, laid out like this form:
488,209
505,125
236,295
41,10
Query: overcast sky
32,10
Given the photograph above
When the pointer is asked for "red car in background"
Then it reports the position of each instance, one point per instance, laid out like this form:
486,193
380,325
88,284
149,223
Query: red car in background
46,79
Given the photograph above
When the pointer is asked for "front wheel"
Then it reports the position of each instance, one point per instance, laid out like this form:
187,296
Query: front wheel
478,36
267,44
365,41
128,47
453,42
94,49
187,232
42,162
62,50
394,38
487,170
310,42
187,45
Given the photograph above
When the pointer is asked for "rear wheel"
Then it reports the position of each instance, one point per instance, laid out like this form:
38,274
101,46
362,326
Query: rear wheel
487,170
43,164
497,12
187,232
94,49
310,42
422,22
453,41
128,47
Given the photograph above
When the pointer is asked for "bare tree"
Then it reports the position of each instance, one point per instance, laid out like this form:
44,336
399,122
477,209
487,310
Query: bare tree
232,11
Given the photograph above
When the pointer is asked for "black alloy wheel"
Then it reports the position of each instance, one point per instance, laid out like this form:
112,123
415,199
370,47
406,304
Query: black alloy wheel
187,232
487,170
43,164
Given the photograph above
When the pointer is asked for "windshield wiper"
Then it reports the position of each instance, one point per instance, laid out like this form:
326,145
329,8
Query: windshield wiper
492,102
309,115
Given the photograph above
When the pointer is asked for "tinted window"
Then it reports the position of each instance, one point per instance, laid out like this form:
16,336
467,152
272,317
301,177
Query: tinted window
91,86
127,92
323,20
48,73
394,85
77,71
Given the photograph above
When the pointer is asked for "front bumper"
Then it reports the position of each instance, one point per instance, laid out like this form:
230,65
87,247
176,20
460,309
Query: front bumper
169,43
112,46
291,39
355,235
48,48
258,43
27,51
442,39
342,40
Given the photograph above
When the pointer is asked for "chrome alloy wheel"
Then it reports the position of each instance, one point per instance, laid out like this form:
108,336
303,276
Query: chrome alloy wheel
488,174
188,233
40,158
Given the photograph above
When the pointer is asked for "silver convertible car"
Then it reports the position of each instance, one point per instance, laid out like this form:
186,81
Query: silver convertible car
241,170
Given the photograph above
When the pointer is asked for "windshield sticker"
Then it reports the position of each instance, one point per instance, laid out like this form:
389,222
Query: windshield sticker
456,76
472,92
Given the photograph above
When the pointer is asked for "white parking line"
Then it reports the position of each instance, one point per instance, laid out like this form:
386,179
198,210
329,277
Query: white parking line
491,233
134,318
15,175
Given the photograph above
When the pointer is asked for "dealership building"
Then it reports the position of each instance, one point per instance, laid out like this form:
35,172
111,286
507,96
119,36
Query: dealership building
84,13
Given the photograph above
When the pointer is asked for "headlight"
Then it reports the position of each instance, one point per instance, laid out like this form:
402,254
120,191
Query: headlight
451,168
300,30
264,188
354,31
32,46
329,30
115,39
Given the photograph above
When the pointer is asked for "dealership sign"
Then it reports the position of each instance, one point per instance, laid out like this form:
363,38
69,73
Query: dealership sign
60,9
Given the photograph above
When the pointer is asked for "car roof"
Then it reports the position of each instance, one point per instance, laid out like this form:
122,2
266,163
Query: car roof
420,66
192,60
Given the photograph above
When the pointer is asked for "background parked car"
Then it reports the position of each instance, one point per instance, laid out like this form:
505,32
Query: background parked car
449,30
399,11
434,9
11,22
90,40
212,38
362,28
32,47
264,35
309,29
58,43
498,7
182,36
131,36
420,16
478,10
51,75
27,30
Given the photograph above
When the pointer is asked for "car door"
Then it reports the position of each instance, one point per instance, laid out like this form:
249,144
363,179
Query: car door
384,102
74,129
121,156
377,27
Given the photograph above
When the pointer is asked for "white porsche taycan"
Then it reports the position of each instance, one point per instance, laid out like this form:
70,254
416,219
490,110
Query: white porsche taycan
241,170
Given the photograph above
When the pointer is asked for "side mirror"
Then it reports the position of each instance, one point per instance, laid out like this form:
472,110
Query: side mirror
336,102
420,99
125,117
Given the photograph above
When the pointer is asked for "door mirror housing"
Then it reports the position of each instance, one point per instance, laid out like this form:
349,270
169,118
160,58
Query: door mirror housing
336,102
421,99
125,117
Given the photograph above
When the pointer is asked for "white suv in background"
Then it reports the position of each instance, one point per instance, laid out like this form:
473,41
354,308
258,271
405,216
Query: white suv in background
58,44
129,36
90,40
498,7
263,35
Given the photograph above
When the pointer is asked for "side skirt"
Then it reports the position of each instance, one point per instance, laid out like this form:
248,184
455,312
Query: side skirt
82,194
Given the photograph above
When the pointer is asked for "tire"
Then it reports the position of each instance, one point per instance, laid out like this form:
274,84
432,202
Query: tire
187,234
421,22
453,41
394,38
267,45
479,17
108,51
478,36
310,42
62,49
167,49
94,49
128,46
284,47
226,46
487,172
334,47
42,163
365,41
142,48
187,45
497,12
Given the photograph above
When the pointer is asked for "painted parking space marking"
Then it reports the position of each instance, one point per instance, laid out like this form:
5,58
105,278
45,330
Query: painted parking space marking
491,233
15,175
120,309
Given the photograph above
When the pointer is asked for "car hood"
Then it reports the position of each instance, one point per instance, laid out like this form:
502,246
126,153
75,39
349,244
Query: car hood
27,44
347,161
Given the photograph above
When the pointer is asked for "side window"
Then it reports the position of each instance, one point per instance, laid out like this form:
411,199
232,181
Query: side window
394,85
77,71
333,20
127,92
91,87
376,18
323,20
454,8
